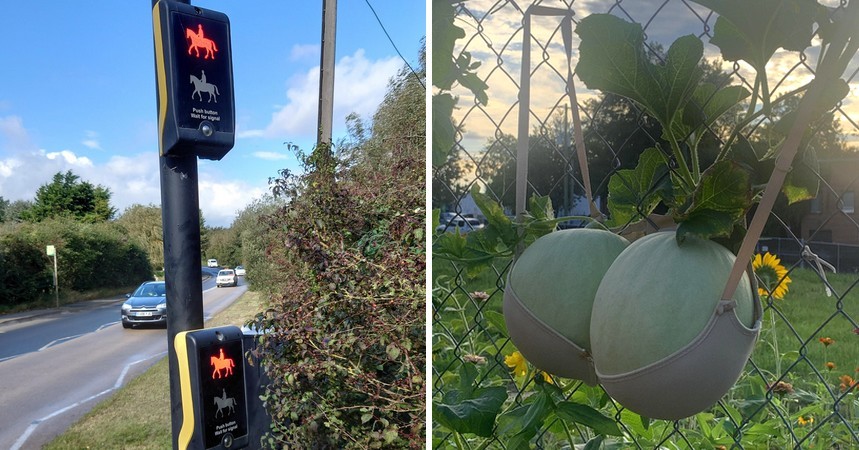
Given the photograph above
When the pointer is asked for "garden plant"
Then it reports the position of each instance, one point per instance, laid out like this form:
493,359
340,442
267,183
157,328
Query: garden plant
700,180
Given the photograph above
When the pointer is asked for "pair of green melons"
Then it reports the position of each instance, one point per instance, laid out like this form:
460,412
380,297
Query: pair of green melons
586,304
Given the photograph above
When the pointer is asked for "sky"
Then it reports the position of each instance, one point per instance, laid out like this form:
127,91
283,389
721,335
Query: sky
77,92
499,49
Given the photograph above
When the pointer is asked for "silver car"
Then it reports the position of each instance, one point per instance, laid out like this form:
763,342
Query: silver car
147,305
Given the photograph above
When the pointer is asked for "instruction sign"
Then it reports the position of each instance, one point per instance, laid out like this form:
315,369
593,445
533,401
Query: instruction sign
195,80
212,380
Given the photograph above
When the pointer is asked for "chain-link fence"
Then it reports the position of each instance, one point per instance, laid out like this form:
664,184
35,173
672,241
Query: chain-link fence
797,390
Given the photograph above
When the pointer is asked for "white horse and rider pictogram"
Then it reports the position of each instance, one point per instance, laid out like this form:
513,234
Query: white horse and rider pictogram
200,86
224,403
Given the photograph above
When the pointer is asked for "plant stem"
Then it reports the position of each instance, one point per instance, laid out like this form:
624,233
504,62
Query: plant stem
751,116
775,345
460,444
685,174
568,433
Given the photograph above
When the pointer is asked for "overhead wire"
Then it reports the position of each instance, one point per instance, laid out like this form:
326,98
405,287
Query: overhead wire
417,77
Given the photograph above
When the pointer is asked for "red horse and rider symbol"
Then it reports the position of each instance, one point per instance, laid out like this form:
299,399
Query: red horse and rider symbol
222,363
198,41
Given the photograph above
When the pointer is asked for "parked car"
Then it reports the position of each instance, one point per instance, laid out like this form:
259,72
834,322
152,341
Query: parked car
446,217
464,225
240,271
146,305
227,277
212,263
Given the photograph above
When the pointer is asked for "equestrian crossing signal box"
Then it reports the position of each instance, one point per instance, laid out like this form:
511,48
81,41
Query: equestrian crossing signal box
212,382
194,71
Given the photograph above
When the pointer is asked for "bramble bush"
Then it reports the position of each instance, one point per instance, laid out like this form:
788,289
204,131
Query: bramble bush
345,340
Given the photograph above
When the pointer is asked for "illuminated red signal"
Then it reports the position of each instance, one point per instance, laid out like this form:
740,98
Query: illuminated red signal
222,363
198,40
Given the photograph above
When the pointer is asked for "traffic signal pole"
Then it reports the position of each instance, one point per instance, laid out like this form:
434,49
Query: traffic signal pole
180,213
180,216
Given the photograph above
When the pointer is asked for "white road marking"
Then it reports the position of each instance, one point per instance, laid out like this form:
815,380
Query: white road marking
30,429
107,325
55,341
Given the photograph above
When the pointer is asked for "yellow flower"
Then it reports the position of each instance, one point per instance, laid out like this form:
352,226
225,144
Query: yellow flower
771,274
802,421
547,378
516,362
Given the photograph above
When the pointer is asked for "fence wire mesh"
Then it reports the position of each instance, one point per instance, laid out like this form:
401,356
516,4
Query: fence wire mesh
797,390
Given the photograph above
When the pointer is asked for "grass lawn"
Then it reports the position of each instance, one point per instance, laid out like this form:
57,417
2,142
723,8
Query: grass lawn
804,316
138,415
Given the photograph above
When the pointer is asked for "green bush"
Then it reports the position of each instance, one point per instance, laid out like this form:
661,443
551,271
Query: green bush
24,271
89,256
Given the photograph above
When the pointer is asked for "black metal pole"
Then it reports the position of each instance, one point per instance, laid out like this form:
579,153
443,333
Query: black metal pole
180,217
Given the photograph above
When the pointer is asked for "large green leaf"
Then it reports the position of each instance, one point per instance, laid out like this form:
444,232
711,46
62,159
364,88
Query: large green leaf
472,415
706,224
721,199
499,225
587,416
633,193
470,409
831,94
803,180
753,30
612,59
708,103
724,187
444,35
443,131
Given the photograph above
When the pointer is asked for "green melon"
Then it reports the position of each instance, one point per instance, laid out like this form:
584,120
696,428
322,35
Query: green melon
549,296
662,342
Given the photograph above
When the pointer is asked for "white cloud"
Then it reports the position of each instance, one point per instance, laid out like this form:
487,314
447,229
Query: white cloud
70,158
304,51
271,156
91,140
221,199
14,135
131,178
359,86
91,143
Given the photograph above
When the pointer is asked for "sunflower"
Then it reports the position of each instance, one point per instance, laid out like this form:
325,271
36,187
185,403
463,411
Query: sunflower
772,275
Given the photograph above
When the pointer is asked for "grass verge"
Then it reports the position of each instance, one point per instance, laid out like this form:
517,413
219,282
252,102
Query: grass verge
138,415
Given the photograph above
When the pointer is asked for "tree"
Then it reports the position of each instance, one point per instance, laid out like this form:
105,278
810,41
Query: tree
67,196
143,224
616,132
16,209
224,245
825,140
3,205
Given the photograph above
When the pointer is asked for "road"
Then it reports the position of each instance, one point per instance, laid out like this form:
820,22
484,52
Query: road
56,366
